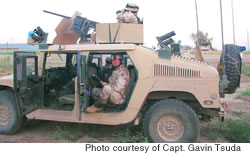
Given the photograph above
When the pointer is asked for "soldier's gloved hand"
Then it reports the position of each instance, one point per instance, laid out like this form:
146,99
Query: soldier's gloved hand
103,83
124,11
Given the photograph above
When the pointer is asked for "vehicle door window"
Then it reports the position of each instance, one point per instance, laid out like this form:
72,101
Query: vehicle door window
56,60
30,66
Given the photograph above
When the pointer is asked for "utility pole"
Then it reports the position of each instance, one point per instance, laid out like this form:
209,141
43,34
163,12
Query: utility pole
222,34
233,20
248,41
197,21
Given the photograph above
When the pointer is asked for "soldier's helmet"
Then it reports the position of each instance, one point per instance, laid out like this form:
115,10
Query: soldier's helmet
116,56
108,60
132,7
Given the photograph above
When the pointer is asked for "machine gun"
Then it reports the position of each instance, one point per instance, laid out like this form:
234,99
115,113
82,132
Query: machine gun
80,25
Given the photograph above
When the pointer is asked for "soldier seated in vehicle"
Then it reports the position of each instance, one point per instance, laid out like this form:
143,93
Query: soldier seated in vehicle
114,90
129,14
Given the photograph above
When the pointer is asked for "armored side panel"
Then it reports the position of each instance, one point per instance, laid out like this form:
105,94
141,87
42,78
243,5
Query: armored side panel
176,49
164,54
119,33
64,33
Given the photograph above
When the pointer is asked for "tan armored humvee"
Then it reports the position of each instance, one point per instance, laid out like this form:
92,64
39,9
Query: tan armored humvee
166,93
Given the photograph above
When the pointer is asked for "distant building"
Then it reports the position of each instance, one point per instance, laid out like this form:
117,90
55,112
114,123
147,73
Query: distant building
10,48
206,46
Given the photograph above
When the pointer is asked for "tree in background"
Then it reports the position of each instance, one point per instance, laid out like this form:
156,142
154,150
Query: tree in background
204,40
203,37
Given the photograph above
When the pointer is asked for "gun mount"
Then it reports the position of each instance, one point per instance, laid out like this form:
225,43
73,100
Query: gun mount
80,25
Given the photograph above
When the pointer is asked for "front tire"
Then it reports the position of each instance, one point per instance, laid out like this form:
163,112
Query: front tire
10,119
171,120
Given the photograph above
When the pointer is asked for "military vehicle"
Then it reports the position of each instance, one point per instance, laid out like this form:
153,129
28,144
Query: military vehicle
167,93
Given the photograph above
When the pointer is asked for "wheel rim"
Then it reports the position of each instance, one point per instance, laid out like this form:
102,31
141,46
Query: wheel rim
5,114
170,128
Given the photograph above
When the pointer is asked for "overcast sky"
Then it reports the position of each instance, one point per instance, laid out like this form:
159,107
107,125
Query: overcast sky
18,17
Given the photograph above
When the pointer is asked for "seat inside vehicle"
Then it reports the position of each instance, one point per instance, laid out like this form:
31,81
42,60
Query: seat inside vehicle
128,92
67,99
131,84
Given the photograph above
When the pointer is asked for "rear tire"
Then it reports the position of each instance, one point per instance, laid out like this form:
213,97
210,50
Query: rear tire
10,119
171,120
233,64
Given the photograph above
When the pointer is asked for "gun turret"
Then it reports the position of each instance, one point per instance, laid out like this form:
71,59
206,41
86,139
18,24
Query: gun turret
80,25
72,28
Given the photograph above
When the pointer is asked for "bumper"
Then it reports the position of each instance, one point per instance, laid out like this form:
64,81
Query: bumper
221,113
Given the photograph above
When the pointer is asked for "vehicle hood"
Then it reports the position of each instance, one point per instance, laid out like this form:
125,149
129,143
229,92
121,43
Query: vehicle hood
7,81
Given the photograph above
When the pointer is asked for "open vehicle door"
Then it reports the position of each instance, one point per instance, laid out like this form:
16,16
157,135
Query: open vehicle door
82,82
28,86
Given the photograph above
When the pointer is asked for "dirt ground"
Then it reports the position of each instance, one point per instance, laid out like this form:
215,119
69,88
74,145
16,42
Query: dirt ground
49,131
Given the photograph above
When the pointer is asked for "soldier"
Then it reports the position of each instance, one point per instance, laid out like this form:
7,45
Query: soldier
129,14
114,91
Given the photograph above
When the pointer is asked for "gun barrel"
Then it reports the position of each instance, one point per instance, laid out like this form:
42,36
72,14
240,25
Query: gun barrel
57,14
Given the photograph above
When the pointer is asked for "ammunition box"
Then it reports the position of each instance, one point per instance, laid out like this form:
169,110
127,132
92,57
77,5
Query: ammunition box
119,33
